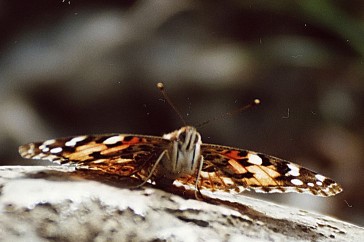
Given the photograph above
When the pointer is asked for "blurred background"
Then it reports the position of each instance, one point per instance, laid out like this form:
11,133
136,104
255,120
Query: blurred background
84,67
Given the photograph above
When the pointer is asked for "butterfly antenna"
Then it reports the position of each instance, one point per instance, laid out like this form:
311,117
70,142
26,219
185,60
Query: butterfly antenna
160,86
233,112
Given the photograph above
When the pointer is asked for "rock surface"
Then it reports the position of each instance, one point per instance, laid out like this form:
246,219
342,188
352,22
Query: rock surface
60,204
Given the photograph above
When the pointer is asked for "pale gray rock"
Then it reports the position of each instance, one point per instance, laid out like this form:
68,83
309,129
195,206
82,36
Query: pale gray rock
60,204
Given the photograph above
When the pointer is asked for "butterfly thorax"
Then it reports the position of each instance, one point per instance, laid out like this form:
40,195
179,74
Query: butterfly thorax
184,154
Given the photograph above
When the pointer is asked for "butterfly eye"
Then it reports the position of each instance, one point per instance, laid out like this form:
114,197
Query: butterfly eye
182,137
196,139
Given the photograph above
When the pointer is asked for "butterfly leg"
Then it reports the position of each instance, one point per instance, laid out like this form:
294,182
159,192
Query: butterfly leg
153,168
198,194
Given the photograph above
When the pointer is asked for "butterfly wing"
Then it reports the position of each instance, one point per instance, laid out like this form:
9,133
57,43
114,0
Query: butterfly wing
121,154
224,168
232,169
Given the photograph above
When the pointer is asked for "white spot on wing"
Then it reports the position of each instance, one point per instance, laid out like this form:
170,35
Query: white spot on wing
46,149
73,141
112,140
319,183
49,142
320,177
295,170
254,159
310,184
46,143
297,182
56,150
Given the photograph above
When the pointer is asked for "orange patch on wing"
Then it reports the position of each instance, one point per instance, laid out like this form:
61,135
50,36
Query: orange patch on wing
134,140
233,154
82,152
264,178
90,146
251,182
114,149
270,171
239,169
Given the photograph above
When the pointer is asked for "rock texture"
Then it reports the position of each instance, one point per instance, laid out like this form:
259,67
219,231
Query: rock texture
60,204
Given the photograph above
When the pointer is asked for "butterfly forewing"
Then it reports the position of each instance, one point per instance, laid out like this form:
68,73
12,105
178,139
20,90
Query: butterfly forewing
227,168
120,154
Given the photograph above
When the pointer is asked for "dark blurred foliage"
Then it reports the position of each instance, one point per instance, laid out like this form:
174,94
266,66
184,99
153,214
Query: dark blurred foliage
81,67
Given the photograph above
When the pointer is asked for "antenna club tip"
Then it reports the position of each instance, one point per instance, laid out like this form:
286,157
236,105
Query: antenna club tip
160,85
256,101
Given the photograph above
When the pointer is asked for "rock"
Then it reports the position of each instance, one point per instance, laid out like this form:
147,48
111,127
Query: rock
40,203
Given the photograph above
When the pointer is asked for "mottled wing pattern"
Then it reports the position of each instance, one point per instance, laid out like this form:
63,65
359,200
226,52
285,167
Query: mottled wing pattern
120,154
235,170
223,169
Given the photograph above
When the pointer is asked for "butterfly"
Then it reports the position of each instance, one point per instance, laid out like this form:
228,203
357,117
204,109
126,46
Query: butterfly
181,159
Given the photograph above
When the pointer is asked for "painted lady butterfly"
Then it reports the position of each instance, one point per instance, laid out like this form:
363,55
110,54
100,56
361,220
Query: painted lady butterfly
182,158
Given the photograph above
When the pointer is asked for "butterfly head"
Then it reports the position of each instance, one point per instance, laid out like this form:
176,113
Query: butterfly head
186,151
187,138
